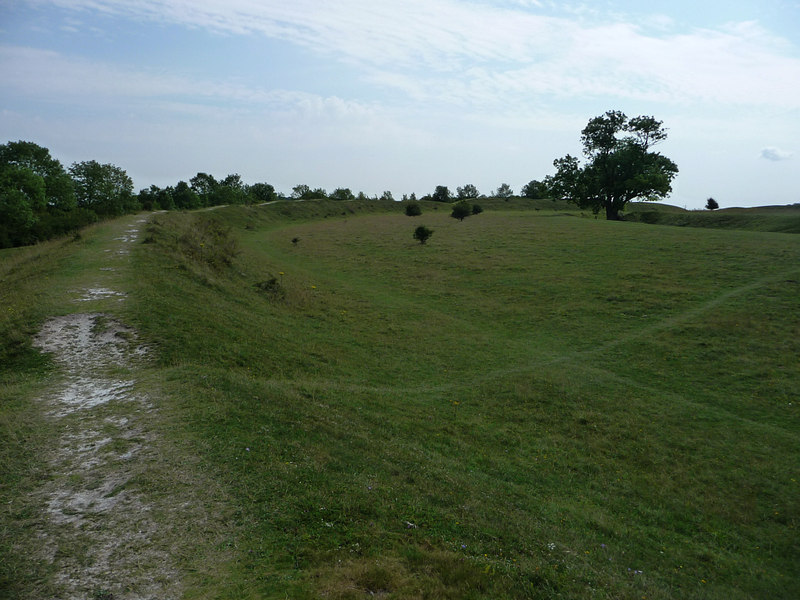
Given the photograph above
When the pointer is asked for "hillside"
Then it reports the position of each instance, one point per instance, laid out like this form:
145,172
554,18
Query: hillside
530,405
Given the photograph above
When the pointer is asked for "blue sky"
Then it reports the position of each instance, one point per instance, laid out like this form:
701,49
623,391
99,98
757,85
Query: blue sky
405,95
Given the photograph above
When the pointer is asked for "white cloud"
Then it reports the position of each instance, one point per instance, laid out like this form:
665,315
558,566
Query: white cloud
775,154
49,76
472,51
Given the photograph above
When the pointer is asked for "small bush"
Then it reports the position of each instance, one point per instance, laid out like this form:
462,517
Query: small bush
413,209
461,210
476,209
422,234
272,287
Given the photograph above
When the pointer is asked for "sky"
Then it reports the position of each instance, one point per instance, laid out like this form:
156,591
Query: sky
405,95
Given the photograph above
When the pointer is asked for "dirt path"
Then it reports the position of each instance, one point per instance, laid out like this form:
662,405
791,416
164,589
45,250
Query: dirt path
99,528
111,519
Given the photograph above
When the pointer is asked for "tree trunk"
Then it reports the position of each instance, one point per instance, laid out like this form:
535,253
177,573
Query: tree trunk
612,212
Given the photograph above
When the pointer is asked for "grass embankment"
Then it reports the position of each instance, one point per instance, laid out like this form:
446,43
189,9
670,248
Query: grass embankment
779,219
529,405
523,407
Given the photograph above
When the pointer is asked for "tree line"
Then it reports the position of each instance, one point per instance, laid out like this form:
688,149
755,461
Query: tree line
40,199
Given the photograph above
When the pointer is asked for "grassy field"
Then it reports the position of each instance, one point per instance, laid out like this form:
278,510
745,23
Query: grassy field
530,405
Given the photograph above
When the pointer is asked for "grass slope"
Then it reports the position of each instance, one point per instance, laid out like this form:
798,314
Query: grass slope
529,405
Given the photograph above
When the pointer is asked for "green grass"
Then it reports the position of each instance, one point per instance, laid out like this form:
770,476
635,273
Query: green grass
531,405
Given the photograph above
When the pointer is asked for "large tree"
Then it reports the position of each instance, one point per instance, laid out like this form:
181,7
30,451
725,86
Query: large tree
22,196
59,195
619,165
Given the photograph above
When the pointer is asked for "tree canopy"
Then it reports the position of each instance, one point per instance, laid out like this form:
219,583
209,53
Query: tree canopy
503,191
37,199
104,188
619,165
441,194
468,192
535,190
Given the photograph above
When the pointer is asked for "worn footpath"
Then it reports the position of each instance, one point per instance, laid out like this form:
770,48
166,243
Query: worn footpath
115,516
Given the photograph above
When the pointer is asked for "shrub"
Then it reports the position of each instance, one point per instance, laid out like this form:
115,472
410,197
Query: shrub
422,234
413,209
712,204
476,209
461,210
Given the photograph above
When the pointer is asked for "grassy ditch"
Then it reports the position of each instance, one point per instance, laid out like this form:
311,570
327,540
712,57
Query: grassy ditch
522,407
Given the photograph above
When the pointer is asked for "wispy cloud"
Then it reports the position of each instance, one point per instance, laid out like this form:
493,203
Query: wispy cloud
775,154
471,51
52,77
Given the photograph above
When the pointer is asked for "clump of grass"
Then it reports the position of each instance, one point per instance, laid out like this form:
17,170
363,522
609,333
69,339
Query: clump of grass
272,287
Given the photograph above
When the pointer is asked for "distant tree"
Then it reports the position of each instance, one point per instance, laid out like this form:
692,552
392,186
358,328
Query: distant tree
184,197
413,197
104,188
619,165
148,198
387,195
504,191
300,191
413,209
233,181
712,204
467,192
422,234
441,194
205,186
362,196
231,190
461,210
262,192
166,198
303,192
535,189
342,194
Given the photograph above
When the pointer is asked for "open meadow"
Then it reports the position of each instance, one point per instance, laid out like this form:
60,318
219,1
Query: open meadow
530,405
